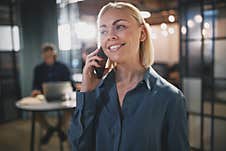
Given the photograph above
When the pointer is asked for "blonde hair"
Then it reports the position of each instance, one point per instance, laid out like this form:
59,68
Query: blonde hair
146,46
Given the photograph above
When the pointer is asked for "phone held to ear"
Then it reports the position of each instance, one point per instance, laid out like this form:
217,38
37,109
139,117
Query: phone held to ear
100,70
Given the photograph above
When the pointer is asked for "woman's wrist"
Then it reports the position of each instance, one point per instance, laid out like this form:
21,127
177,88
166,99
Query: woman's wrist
83,87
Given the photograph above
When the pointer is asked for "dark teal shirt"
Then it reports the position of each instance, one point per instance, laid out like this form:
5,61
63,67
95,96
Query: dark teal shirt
152,117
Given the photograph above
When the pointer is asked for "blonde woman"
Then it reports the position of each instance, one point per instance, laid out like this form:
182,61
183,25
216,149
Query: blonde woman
132,108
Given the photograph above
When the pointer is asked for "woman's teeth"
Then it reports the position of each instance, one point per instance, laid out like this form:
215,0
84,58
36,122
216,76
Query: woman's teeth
114,48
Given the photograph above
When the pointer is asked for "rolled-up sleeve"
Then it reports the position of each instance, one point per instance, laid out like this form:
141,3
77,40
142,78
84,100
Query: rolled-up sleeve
81,132
177,137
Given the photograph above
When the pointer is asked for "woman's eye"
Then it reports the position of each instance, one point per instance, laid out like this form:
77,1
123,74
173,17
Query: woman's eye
120,27
103,32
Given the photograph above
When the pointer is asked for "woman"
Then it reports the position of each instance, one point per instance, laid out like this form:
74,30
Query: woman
132,108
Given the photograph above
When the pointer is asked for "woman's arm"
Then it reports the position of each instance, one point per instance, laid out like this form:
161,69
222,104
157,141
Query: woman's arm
177,126
82,128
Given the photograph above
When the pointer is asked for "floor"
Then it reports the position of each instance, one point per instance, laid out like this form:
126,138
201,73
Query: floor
15,136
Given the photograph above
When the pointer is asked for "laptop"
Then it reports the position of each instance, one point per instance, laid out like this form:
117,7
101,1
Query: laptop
57,91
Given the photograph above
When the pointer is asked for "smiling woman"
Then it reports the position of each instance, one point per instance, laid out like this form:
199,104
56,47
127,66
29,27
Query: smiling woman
131,108
126,27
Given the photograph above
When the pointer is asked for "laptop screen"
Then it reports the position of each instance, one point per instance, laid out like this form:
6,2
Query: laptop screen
57,91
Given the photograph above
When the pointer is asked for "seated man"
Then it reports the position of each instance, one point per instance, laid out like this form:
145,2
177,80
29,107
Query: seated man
49,70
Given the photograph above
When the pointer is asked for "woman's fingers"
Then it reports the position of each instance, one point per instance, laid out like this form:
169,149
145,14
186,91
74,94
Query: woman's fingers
94,63
95,58
94,53
90,81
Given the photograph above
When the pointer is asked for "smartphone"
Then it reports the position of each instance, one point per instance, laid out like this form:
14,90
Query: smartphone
100,70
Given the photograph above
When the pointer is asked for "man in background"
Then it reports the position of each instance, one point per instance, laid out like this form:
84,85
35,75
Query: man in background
50,70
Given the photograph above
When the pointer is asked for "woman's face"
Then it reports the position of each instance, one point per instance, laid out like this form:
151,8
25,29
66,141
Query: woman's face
120,35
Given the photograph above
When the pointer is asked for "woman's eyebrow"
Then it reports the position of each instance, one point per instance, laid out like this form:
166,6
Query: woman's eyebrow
118,20
115,22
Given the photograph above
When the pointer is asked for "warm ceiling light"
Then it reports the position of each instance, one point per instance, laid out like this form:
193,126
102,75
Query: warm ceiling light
190,23
163,26
145,14
198,18
171,18
204,33
183,30
171,30
206,25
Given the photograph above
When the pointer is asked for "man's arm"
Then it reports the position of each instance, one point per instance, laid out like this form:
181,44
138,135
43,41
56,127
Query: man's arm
36,85
66,73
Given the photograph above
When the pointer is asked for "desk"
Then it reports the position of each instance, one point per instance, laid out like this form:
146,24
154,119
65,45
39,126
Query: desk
43,107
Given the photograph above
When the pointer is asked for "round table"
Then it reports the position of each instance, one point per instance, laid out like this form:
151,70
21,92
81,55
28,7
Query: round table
34,105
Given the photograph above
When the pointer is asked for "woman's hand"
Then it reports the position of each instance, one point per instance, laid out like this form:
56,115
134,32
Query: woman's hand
89,79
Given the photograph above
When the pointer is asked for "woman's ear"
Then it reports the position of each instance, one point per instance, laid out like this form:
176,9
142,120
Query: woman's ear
143,35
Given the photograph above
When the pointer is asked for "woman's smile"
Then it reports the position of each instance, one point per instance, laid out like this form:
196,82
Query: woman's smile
116,47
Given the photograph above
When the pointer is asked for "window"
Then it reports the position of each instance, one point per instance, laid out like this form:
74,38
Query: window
10,38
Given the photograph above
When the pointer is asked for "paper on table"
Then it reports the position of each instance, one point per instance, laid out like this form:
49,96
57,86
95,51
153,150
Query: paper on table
32,100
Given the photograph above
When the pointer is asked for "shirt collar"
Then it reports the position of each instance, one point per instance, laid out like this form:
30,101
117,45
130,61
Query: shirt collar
146,79
149,77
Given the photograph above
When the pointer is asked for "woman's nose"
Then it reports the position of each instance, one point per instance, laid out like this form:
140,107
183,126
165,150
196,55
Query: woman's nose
112,35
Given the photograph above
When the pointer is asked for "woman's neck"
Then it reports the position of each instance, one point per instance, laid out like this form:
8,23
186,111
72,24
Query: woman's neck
127,77
129,73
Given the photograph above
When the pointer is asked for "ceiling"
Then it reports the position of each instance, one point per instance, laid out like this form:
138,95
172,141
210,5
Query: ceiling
160,9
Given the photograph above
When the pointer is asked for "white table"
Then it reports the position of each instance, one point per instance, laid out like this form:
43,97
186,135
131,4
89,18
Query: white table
36,105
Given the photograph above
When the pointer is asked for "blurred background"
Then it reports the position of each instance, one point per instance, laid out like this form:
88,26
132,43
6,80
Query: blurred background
189,38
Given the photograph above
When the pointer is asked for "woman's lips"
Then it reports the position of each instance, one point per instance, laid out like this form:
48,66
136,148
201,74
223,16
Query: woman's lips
115,47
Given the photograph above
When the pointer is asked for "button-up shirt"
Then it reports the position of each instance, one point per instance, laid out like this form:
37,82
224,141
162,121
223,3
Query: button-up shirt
152,117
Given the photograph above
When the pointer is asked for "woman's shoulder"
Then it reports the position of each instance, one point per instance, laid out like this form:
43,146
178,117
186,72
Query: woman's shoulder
164,88
169,96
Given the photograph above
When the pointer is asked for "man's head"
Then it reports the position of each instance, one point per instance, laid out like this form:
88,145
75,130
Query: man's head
49,53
